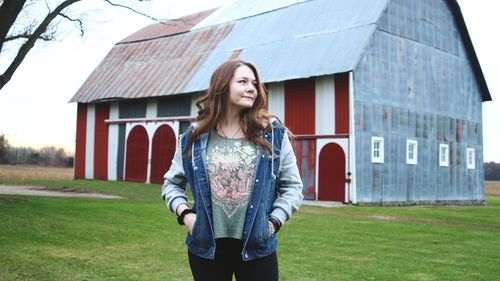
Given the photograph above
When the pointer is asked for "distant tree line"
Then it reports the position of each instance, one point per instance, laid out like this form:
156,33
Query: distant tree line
492,171
46,156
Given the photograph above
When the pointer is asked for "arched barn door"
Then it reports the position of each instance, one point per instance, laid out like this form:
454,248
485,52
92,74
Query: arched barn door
136,165
162,152
331,178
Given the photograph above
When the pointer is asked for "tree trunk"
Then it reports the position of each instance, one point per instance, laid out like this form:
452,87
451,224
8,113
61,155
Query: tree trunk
26,47
9,11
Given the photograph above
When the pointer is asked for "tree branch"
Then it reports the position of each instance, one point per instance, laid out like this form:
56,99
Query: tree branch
27,36
79,22
133,10
26,47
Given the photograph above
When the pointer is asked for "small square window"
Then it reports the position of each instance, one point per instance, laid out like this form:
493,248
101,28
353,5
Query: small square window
443,155
411,152
471,158
377,150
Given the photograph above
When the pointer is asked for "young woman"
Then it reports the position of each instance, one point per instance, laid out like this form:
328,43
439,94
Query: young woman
239,164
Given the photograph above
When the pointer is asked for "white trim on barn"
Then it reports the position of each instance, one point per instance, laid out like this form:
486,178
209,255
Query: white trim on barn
444,155
276,100
152,108
411,152
113,142
325,105
377,150
89,142
194,109
352,146
471,158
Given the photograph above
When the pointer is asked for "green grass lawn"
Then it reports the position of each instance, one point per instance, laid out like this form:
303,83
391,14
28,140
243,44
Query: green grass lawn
51,238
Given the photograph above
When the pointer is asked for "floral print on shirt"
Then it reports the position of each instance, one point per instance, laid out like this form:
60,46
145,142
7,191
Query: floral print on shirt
231,168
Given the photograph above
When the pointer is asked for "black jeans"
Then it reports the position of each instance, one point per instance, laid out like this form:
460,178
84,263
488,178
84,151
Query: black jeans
228,261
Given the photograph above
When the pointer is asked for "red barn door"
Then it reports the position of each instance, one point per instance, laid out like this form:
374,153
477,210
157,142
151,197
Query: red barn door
136,164
331,178
162,152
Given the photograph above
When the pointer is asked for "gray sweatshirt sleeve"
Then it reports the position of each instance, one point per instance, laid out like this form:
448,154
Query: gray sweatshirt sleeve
173,191
289,184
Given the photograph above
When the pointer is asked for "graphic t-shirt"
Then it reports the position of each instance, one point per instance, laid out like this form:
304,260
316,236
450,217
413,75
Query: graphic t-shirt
231,169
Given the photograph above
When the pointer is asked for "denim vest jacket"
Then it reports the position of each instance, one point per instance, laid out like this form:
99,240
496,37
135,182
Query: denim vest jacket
270,194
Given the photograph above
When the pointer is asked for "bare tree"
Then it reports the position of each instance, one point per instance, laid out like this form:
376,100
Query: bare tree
13,27
4,148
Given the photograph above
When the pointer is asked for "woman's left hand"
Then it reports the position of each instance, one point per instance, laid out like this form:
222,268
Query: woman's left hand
271,228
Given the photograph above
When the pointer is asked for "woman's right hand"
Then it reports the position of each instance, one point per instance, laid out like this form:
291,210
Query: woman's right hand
189,220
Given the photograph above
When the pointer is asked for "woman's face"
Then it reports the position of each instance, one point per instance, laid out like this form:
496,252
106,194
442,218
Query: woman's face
242,88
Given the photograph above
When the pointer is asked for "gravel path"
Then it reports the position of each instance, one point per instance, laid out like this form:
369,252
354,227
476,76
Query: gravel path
44,191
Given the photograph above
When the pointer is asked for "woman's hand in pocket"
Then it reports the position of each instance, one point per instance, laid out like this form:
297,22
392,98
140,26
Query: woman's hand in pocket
189,220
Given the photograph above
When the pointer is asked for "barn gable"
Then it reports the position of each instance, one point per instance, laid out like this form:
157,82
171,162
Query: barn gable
416,82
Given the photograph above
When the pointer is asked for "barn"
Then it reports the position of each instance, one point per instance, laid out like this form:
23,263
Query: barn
384,96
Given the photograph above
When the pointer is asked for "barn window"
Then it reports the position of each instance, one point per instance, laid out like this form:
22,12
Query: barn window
411,152
443,155
471,158
377,150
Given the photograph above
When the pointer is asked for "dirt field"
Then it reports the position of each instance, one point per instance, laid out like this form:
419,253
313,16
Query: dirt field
35,172
39,172
492,188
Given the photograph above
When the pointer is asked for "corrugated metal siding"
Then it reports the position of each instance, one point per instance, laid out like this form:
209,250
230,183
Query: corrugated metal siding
81,136
101,142
342,103
174,106
413,83
300,106
132,109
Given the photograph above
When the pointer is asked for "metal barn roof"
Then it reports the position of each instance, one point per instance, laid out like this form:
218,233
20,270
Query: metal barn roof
287,39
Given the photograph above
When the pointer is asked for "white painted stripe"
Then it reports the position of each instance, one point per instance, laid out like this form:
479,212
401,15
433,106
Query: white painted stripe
89,142
113,152
113,143
352,141
276,100
325,105
152,108
194,109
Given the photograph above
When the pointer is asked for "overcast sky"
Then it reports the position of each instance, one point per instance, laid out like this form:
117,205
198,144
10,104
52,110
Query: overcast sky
34,108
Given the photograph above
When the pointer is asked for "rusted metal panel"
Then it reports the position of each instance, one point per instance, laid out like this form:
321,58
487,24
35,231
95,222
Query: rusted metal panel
127,72
168,28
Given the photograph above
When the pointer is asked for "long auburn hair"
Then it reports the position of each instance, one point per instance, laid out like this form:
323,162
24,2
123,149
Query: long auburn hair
213,105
